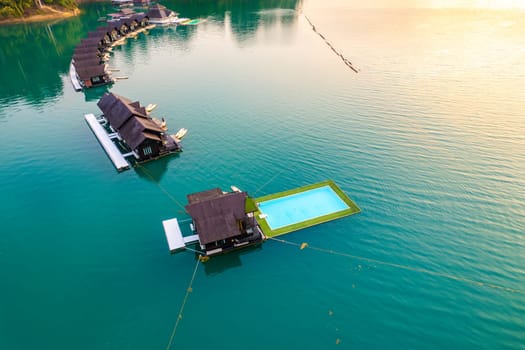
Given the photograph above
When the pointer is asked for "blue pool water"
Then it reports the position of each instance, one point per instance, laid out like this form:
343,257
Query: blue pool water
301,206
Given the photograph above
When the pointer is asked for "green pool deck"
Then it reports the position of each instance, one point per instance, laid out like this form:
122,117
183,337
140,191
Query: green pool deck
252,205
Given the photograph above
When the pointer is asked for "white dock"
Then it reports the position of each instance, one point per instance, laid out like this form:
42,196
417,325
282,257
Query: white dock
174,236
73,77
111,150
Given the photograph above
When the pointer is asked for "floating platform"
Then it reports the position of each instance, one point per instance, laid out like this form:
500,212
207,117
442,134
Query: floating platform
293,210
73,77
105,141
266,217
176,241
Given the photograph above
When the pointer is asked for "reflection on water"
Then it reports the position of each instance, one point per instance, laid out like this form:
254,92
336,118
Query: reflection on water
411,4
232,260
94,94
155,170
39,53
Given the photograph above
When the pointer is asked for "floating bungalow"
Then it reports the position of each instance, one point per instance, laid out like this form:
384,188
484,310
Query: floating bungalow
92,75
137,134
159,14
226,221
85,71
221,222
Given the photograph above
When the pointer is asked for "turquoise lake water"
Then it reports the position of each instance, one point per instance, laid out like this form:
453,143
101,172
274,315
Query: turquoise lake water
301,206
428,139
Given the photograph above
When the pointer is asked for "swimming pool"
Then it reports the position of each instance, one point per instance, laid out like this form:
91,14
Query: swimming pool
302,206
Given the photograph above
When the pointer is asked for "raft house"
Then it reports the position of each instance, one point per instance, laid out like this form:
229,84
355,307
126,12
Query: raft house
159,14
126,130
226,221
88,66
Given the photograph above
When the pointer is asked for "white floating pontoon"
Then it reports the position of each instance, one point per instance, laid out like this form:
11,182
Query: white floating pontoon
174,236
111,150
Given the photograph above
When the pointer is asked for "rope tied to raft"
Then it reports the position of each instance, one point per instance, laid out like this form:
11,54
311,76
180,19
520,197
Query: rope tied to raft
181,310
162,188
303,246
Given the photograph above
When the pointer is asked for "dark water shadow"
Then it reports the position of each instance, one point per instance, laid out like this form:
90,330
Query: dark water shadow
154,170
95,94
221,263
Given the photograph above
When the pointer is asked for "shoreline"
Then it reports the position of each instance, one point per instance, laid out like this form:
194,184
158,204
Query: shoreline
50,14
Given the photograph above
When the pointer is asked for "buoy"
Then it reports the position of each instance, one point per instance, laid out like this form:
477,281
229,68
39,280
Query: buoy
304,245
203,258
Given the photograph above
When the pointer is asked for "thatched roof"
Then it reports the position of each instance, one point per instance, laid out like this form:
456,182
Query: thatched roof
118,109
216,214
135,131
88,72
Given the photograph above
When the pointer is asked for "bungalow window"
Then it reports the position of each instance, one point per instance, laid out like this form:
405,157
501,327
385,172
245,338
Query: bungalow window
147,151
95,79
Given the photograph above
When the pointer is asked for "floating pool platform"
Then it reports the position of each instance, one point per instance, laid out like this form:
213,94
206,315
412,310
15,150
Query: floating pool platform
284,212
219,226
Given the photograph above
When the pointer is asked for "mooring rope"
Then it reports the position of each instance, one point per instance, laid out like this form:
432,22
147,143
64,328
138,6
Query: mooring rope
169,195
269,181
179,316
343,58
399,266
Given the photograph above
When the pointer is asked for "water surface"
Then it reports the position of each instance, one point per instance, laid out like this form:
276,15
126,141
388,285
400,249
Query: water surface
428,139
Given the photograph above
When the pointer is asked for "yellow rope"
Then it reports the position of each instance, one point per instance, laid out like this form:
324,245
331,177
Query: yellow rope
399,266
148,174
179,317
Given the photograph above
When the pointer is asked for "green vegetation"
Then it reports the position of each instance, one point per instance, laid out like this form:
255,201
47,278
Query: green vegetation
19,8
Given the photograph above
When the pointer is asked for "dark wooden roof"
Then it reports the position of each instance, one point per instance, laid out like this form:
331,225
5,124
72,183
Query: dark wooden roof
130,119
134,131
204,195
216,215
87,49
96,35
88,72
85,56
149,124
118,109
159,11
86,62
91,42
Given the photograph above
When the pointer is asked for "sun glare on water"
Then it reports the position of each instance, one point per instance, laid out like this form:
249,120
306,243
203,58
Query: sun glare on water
438,4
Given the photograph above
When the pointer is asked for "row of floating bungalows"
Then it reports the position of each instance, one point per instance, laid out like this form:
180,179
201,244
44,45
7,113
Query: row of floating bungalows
90,56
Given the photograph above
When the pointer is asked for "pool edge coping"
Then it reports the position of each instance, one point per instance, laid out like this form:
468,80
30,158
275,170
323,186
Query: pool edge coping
352,209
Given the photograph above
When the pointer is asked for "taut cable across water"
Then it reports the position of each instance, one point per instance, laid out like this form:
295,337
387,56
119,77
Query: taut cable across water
399,266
